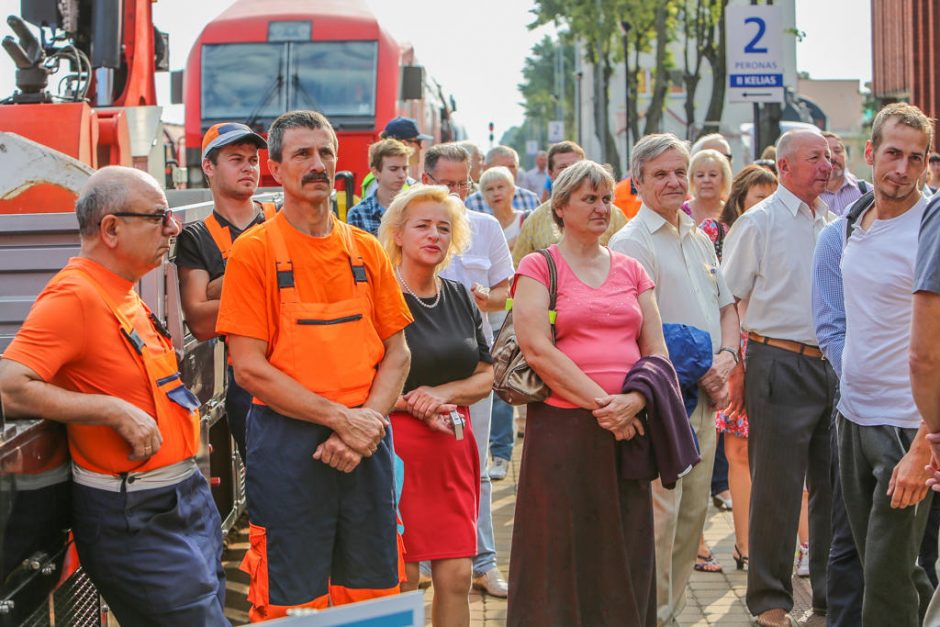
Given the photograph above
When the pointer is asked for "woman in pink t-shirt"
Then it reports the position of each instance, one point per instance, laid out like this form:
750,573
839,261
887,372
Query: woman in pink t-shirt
582,551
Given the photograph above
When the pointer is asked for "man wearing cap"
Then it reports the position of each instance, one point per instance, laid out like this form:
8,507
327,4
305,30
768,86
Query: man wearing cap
230,163
91,354
406,131
315,320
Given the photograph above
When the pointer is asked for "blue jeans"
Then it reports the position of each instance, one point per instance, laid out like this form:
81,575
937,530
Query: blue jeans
501,435
480,414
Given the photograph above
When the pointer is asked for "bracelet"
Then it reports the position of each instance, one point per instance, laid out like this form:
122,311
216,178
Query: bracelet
728,349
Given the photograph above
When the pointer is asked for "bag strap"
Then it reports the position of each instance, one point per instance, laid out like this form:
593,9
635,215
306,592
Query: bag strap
856,209
552,289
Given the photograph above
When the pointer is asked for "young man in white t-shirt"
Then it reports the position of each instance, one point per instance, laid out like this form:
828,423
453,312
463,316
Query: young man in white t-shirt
882,446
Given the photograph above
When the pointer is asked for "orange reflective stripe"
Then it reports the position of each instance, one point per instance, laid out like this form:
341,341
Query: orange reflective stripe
341,595
220,235
255,564
269,209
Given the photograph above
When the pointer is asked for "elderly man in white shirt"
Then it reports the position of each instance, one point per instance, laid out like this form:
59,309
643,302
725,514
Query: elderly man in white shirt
690,290
485,269
789,386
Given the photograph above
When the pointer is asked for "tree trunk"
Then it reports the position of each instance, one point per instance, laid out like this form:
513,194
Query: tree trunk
654,115
716,104
601,125
613,157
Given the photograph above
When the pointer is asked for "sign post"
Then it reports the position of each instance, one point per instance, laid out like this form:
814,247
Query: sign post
754,53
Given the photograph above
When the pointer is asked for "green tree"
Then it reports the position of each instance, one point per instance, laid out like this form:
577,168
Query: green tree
703,33
542,91
597,25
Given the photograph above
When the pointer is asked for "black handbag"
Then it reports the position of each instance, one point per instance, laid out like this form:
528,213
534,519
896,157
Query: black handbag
514,381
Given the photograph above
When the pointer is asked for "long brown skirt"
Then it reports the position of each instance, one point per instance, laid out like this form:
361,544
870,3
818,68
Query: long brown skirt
582,544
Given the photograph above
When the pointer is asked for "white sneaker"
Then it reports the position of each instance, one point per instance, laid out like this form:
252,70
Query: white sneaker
493,583
499,468
802,561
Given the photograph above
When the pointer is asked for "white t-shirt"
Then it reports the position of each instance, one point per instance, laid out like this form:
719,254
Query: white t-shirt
487,261
878,283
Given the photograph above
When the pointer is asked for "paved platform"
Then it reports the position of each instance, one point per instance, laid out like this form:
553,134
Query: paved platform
714,598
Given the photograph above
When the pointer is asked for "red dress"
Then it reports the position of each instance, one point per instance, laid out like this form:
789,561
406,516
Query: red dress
441,493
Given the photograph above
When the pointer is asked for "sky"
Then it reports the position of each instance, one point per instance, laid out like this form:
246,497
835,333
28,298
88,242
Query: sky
476,48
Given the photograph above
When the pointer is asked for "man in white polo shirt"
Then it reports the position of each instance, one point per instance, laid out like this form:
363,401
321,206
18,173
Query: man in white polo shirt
789,387
882,441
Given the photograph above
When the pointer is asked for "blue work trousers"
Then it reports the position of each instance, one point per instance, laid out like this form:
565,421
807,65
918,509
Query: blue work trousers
155,555
501,431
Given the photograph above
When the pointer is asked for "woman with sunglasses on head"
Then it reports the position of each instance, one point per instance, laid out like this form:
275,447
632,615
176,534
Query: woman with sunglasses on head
451,368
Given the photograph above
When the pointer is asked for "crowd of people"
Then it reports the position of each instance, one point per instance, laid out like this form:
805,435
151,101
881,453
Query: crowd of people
782,317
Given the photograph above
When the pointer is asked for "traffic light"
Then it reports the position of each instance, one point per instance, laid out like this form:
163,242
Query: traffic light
491,132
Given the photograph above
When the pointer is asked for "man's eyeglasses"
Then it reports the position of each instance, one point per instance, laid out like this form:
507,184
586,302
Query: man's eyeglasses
730,158
461,185
164,216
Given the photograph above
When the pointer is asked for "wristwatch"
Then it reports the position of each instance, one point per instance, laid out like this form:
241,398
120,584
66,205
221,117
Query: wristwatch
728,349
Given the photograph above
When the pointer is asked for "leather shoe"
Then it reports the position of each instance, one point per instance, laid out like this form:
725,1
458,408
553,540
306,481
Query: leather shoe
777,617
493,583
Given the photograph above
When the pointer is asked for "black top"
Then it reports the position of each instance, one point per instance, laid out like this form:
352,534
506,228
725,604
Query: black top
447,341
195,248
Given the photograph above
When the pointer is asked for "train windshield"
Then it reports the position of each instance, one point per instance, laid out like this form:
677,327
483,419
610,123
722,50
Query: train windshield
254,83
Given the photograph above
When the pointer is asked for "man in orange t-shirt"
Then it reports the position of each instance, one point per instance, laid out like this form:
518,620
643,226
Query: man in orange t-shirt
314,319
91,355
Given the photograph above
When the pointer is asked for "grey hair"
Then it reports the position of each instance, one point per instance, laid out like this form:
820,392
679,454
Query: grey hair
571,179
96,200
472,149
652,146
705,139
784,145
501,151
296,119
497,173
448,152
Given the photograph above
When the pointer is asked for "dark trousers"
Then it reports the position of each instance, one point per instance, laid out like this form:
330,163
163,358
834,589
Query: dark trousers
155,555
846,582
897,590
789,399
928,548
720,468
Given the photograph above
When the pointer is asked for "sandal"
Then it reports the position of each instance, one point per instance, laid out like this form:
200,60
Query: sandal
740,560
707,564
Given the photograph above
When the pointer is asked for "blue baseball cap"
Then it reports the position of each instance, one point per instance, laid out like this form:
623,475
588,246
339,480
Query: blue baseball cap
405,128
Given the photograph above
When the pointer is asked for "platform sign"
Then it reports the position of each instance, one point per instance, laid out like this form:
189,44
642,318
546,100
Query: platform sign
754,53
401,610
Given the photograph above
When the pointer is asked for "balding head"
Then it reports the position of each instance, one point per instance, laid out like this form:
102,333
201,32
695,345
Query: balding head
804,163
107,191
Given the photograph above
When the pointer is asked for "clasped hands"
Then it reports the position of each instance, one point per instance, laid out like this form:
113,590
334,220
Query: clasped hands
618,414
427,405
359,434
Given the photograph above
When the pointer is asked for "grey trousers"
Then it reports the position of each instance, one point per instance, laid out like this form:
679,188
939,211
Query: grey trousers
897,589
789,400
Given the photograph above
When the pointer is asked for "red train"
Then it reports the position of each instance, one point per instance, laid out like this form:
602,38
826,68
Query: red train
261,58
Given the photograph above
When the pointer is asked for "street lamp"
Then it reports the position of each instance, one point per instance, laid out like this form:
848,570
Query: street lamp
624,32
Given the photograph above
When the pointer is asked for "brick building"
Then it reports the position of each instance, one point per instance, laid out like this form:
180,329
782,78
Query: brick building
906,53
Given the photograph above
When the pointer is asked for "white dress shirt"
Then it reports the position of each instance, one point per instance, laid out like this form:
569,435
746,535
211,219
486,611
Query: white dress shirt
690,288
487,261
768,262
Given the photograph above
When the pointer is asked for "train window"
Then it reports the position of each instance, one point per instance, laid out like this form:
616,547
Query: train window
336,78
243,81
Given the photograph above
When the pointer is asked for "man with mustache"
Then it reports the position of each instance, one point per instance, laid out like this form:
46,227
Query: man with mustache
92,355
314,319
789,386
230,163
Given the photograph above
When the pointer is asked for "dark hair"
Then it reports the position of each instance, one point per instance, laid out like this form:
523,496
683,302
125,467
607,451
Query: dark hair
449,152
561,148
296,119
751,176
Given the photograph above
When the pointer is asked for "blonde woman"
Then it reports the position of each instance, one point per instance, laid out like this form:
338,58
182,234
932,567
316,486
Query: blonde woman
451,368
710,178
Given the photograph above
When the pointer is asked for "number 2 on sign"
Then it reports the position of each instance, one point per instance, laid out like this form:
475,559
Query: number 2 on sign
752,47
